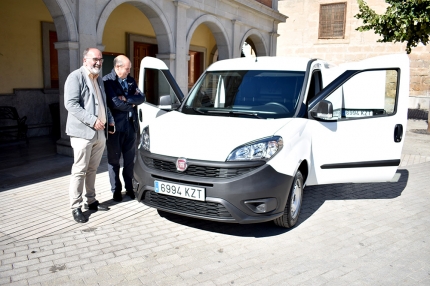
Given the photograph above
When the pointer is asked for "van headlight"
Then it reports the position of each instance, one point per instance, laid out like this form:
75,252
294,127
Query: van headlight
144,139
262,149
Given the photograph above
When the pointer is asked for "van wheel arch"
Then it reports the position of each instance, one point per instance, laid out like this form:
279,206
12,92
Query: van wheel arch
295,199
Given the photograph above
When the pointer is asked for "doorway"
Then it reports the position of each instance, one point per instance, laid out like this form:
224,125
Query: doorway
142,50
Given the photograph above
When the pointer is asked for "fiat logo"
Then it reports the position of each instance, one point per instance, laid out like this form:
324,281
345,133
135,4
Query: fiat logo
181,164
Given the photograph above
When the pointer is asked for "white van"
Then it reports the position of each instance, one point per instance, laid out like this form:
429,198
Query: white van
253,132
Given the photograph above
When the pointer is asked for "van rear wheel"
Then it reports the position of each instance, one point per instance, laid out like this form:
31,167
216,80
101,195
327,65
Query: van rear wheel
293,205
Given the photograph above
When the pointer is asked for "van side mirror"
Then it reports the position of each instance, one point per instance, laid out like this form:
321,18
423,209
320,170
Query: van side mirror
165,102
323,110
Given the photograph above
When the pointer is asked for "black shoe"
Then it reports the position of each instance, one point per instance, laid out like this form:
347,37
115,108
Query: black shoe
79,216
117,196
130,194
96,206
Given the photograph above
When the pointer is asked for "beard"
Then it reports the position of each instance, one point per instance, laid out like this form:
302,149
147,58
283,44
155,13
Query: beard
94,70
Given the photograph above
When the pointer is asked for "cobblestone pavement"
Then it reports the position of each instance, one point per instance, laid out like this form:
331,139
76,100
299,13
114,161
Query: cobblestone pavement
362,234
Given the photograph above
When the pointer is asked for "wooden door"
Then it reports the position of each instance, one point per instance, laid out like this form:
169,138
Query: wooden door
53,59
142,50
195,67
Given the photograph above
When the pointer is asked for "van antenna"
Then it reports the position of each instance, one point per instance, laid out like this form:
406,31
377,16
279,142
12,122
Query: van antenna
255,58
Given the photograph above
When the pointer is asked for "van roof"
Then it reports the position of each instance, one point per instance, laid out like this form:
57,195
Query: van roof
261,63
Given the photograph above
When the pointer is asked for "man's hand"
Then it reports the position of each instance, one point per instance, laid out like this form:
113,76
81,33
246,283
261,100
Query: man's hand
99,125
122,97
111,128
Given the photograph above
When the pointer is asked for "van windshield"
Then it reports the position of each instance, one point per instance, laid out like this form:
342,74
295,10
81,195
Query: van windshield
257,93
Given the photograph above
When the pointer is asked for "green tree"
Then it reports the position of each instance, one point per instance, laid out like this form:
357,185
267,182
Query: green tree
404,21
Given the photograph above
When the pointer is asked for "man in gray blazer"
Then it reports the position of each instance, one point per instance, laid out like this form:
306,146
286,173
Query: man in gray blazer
85,101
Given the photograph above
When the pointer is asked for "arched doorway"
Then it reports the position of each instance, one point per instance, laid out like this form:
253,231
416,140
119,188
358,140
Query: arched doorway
253,41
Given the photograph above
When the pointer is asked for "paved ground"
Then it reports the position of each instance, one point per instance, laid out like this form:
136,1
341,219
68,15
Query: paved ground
362,234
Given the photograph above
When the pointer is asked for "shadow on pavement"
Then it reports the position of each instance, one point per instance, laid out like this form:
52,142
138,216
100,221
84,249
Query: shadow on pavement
265,229
25,164
314,198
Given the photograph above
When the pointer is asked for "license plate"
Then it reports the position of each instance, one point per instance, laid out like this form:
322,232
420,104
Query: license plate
358,113
182,191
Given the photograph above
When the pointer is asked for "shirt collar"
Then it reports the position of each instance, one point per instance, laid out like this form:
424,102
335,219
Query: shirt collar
93,76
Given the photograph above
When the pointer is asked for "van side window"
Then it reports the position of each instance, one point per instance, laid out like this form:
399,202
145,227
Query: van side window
156,86
367,94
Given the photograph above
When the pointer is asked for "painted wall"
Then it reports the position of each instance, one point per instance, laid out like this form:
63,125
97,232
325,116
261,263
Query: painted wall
21,44
114,35
125,19
203,37
299,37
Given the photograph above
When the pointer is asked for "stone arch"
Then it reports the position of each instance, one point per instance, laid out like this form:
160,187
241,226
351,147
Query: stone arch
218,31
155,16
257,39
64,20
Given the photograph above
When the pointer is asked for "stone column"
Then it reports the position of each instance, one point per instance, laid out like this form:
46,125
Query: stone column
169,60
273,38
181,66
68,59
235,40
87,23
273,42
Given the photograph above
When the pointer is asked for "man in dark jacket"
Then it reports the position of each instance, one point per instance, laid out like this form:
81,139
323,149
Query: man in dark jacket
122,96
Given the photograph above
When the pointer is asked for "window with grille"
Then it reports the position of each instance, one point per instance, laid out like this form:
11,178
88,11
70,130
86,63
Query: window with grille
332,21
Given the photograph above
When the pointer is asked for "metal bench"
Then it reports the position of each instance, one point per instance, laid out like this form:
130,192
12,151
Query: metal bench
12,127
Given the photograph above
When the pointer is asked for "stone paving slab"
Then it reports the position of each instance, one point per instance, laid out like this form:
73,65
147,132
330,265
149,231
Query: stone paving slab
362,234
367,234
42,208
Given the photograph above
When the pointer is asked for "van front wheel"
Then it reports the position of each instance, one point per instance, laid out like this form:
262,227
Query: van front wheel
293,205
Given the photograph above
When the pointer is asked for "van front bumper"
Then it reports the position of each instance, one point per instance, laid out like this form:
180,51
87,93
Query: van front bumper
242,192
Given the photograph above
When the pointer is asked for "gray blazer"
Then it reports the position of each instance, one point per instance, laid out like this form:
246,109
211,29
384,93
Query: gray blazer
80,100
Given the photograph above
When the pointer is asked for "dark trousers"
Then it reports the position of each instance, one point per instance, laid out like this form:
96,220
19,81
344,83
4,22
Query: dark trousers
121,143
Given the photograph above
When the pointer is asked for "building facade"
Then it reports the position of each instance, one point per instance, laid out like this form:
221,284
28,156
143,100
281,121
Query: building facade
44,41
327,29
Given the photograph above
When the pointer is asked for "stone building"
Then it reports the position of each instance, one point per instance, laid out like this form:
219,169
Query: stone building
327,29
43,42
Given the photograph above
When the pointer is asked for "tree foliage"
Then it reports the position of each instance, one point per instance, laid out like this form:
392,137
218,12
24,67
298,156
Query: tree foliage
404,21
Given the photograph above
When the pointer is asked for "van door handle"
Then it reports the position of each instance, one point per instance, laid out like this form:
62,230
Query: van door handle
398,133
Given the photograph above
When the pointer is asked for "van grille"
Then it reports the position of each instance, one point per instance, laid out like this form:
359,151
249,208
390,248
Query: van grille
185,206
198,171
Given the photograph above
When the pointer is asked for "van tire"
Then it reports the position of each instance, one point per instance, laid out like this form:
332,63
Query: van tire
293,205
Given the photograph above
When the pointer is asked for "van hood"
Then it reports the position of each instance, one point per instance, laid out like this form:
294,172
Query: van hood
210,138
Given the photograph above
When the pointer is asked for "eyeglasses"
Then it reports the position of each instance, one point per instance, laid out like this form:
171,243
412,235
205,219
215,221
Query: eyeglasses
96,60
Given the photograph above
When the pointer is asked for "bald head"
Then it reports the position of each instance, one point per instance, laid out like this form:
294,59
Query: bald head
122,66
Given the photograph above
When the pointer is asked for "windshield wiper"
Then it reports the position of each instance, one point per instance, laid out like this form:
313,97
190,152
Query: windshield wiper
235,113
